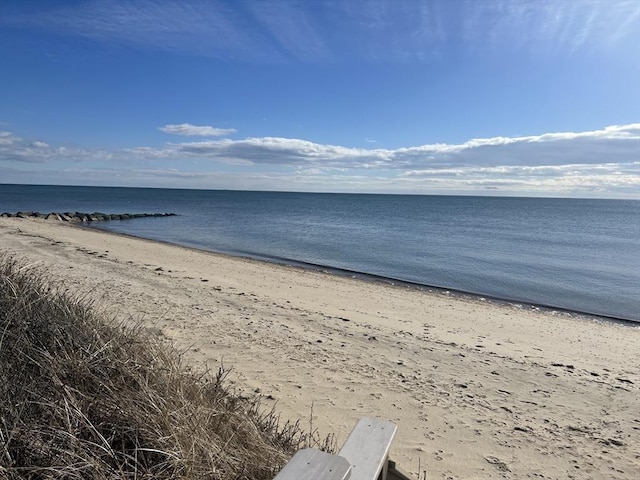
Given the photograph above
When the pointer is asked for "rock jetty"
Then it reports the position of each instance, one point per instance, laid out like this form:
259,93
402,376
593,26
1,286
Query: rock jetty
82,217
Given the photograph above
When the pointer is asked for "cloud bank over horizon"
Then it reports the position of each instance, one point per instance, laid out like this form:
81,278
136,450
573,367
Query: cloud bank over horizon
603,162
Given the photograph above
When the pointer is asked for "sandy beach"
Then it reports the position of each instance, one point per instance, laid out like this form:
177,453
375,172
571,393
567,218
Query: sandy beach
478,389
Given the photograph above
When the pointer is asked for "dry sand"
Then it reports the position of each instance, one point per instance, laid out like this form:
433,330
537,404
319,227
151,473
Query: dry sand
477,389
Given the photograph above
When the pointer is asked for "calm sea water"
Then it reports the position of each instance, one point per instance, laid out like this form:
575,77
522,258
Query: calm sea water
575,254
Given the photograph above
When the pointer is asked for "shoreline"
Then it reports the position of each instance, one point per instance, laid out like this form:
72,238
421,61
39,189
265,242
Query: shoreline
478,389
374,278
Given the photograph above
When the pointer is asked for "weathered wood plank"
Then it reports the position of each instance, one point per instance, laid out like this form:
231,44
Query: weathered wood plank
367,448
311,464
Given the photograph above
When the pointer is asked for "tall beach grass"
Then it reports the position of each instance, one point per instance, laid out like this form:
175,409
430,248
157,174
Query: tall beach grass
82,397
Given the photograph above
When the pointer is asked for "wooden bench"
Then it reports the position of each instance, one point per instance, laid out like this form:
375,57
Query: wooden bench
365,454
367,448
311,464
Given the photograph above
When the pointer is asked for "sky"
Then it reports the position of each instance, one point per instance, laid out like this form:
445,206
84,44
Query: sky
461,97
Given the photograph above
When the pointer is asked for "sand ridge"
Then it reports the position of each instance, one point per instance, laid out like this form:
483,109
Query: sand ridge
478,389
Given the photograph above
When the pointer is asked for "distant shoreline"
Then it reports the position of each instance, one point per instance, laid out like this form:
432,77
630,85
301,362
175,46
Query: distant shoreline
295,192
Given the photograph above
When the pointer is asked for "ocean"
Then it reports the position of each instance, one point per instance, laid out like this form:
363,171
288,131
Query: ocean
580,255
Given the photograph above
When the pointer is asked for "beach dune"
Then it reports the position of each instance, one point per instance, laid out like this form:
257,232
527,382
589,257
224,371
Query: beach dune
478,389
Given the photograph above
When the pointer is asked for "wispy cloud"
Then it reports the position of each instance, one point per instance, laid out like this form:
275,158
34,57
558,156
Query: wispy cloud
549,26
196,130
328,31
293,29
215,29
585,163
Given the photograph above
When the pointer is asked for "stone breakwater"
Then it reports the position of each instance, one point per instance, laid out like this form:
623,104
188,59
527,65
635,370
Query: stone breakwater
82,217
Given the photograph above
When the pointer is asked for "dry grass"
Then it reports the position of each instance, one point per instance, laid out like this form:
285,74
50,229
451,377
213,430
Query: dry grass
81,397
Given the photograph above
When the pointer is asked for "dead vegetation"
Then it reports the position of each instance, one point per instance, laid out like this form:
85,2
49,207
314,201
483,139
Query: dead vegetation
82,397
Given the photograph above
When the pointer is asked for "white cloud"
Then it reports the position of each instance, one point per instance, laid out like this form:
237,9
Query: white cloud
16,149
195,130
600,162
8,138
282,151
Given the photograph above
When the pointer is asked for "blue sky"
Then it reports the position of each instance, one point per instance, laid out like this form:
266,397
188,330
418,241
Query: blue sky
534,98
